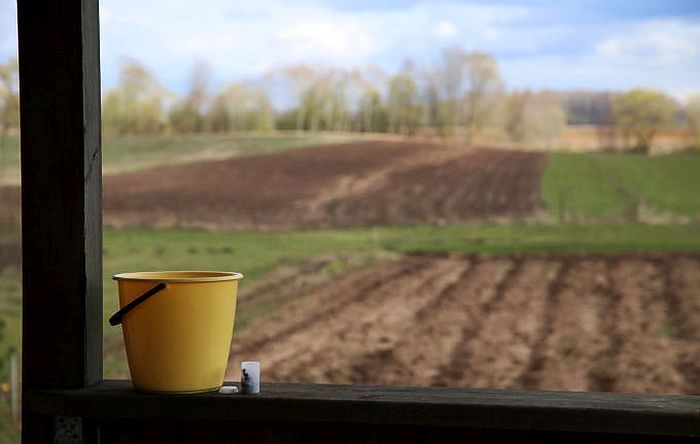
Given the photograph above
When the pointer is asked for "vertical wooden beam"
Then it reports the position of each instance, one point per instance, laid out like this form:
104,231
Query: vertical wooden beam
59,72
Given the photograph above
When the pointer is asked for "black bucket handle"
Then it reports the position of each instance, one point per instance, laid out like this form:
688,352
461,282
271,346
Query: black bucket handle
117,317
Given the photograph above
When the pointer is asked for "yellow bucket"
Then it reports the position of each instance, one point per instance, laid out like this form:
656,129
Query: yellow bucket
177,327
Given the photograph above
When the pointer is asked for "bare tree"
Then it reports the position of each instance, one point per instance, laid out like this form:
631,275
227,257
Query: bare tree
188,115
544,118
450,83
514,115
469,86
534,117
484,93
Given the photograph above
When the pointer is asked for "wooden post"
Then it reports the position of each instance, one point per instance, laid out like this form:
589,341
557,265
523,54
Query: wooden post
61,197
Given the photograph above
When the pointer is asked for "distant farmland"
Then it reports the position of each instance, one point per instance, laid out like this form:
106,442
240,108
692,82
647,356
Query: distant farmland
389,183
406,262
384,183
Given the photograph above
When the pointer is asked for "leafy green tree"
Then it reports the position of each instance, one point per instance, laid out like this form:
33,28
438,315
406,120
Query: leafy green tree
640,113
431,98
297,78
239,108
323,104
371,115
403,103
136,104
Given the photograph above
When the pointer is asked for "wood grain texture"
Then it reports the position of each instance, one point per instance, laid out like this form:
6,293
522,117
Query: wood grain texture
389,406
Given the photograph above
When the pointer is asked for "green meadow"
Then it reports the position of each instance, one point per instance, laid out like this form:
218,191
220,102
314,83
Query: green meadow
585,187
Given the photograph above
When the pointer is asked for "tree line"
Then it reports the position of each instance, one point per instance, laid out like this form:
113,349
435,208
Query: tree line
461,95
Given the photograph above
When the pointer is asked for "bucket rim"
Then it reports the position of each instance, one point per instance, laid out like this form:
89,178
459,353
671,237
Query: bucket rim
184,276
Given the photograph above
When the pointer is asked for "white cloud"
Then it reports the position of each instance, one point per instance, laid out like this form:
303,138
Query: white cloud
335,42
217,42
651,44
446,30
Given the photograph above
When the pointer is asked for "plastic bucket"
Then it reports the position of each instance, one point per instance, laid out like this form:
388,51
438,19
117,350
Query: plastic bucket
177,327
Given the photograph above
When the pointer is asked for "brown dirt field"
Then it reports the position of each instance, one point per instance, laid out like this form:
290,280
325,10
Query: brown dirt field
549,322
340,185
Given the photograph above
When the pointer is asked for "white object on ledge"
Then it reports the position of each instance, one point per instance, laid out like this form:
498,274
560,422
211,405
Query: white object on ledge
250,377
228,390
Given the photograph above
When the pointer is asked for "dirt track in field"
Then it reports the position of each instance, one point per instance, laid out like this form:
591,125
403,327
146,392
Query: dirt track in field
340,185
549,322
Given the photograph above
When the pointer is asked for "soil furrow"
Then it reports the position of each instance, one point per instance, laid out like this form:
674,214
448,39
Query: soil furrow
531,374
416,358
318,307
284,281
681,282
496,354
378,327
360,308
603,376
481,301
577,336
647,358
561,322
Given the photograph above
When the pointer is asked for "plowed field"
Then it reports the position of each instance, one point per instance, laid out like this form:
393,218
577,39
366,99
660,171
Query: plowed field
564,322
341,185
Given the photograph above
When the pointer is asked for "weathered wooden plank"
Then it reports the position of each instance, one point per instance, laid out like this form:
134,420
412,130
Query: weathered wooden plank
61,197
379,405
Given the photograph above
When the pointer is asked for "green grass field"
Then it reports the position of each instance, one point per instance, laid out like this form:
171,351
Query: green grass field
623,187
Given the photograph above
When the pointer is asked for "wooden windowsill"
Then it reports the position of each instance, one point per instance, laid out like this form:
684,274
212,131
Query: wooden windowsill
362,404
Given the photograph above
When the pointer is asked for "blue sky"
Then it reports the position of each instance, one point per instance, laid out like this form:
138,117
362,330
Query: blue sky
538,44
